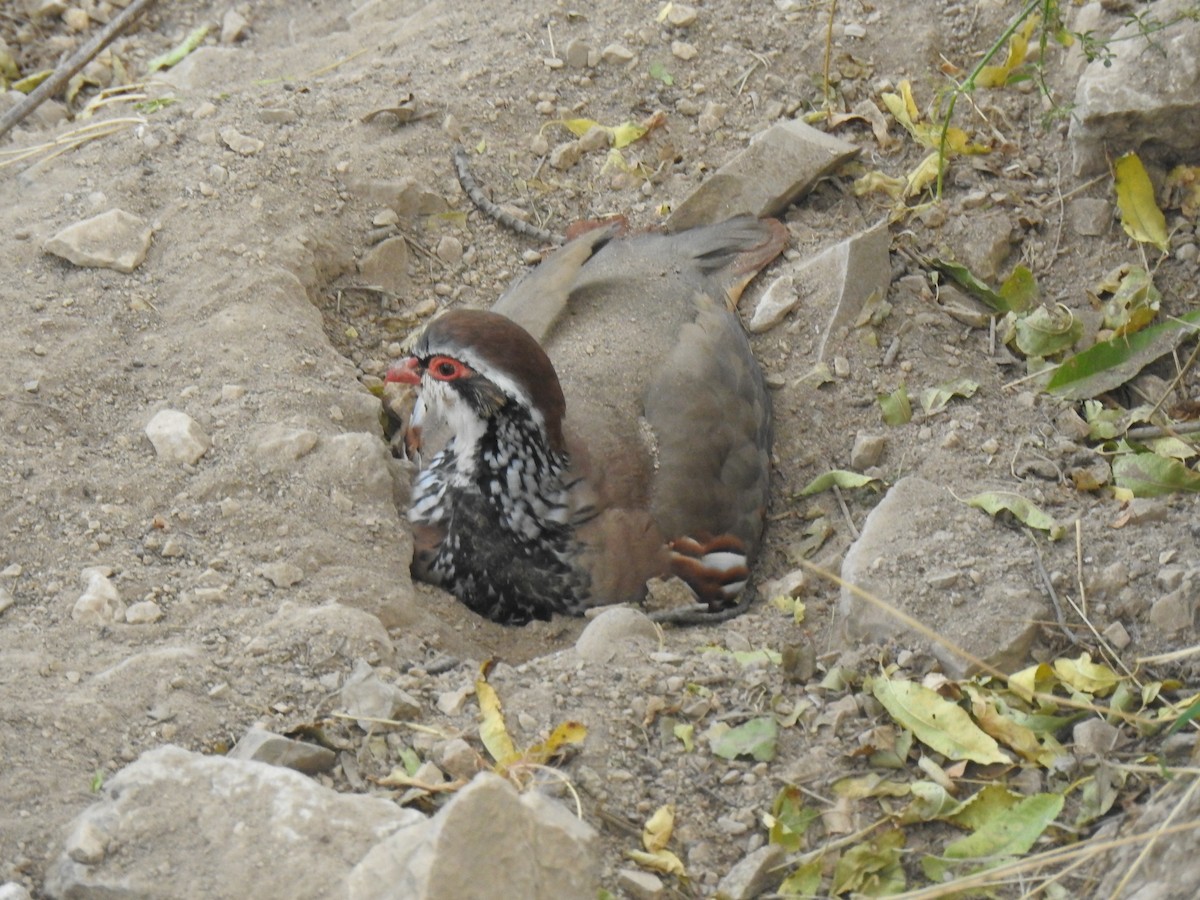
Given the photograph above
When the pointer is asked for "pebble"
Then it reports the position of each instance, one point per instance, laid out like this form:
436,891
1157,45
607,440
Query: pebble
683,50
616,54
239,143
458,758
1172,612
450,250
386,265
754,875
680,15
11,890
641,885
841,367
1095,737
1116,635
576,54
112,240
867,450
564,156
233,27
177,437
276,750
281,574
144,612
100,603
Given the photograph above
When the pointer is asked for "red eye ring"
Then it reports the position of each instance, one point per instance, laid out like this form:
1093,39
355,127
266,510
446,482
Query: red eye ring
446,368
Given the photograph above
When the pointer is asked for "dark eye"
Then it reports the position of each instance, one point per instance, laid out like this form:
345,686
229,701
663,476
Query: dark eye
443,368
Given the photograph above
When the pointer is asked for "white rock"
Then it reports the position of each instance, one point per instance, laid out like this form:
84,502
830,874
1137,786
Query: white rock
282,574
100,603
683,50
616,54
529,845
613,630
177,437
680,15
279,444
233,27
112,240
13,891
239,143
143,612
779,299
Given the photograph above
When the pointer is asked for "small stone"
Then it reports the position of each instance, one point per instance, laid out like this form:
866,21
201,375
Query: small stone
841,367
385,217
76,19
278,115
564,156
1171,613
680,15
239,143
279,444
683,50
1116,635
576,54
233,27
367,696
231,393
11,890
613,629
100,603
616,54
755,874
6,598
595,138
172,548
790,585
88,843
640,885
177,437
1095,737
458,759
262,746
867,451
112,240
281,574
144,612
450,250
386,265
1090,216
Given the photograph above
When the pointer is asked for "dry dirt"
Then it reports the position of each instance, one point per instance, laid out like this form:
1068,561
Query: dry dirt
249,313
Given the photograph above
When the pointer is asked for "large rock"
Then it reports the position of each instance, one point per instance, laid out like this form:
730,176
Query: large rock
179,824
1142,96
488,842
920,551
778,166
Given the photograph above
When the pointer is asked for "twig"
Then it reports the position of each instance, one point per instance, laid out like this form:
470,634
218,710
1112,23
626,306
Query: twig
1058,612
470,186
1150,432
77,61
846,512
1119,890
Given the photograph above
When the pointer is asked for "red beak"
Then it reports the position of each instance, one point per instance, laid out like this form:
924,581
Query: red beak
406,371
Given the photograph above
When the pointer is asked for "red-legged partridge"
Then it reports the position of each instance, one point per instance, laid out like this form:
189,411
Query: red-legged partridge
644,454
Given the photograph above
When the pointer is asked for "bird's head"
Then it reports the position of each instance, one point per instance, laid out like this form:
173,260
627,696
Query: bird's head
470,366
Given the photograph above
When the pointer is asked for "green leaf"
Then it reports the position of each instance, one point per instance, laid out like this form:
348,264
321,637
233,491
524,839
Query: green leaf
841,477
1109,364
896,408
1044,332
872,868
790,818
1134,302
1140,216
1011,832
993,502
659,72
965,279
1150,475
177,54
939,724
755,738
804,880
1020,290
935,399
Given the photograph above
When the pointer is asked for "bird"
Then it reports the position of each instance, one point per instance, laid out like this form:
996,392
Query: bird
604,424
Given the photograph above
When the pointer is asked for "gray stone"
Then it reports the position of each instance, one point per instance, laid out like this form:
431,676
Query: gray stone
867,451
406,196
112,240
916,524
458,759
1095,737
614,630
1172,613
1090,216
576,54
276,750
278,444
528,845
241,144
834,285
778,166
641,885
255,822
616,54
1143,95
100,603
233,27
367,696
756,873
281,574
12,891
386,265
177,437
